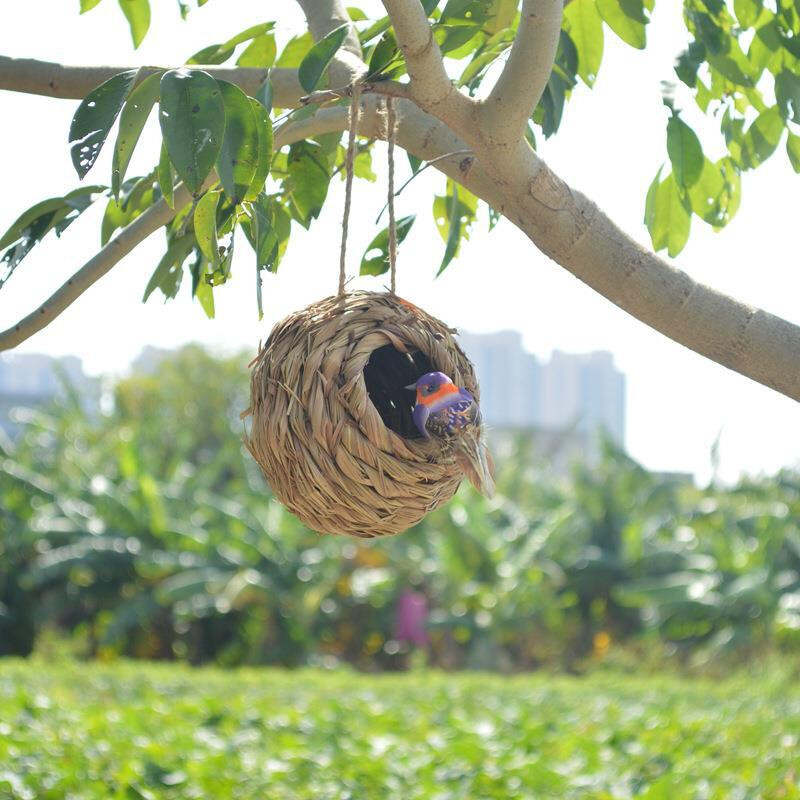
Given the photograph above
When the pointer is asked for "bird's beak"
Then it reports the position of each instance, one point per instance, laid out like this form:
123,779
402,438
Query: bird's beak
412,387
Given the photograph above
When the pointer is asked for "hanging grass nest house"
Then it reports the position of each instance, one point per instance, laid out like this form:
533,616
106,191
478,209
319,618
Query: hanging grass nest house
331,418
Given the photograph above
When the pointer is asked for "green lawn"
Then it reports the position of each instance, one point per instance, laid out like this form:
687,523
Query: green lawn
150,731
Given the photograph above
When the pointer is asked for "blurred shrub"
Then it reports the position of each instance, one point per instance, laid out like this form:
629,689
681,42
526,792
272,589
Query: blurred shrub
149,532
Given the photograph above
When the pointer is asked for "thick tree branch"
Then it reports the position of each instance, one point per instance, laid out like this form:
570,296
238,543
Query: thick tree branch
508,107
73,83
431,86
572,231
417,132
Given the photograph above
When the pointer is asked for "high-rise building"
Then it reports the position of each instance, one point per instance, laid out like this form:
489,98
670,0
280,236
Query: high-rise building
583,392
510,378
30,379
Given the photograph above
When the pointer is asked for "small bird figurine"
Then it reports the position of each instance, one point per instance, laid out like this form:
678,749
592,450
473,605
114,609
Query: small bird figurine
450,415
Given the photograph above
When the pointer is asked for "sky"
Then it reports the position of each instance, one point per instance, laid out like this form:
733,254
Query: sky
611,142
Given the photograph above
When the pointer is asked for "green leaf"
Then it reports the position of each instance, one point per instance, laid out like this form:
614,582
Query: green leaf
362,166
375,260
685,152
137,12
706,195
650,201
167,275
205,225
265,141
732,195
55,213
762,137
454,212
385,56
793,151
32,226
585,28
309,177
248,34
131,122
88,5
94,118
733,64
459,41
295,50
356,14
264,95
669,220
213,54
376,29
29,217
136,196
238,156
627,19
484,57
204,292
787,93
192,121
269,232
501,15
222,269
166,177
319,56
259,53
453,235
262,234
747,11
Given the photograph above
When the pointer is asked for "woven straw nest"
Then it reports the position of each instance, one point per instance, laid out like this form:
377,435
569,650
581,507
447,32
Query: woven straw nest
331,421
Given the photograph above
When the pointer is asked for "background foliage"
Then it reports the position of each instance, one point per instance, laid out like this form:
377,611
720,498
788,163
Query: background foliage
146,531
147,732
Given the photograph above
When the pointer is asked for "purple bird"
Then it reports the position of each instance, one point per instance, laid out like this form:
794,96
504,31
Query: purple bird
450,415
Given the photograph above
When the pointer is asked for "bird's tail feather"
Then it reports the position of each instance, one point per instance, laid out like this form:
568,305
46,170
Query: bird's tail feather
473,456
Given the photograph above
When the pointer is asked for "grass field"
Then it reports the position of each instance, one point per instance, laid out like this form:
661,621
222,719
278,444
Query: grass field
156,731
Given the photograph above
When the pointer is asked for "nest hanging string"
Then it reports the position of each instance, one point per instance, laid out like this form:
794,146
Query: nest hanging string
350,158
392,125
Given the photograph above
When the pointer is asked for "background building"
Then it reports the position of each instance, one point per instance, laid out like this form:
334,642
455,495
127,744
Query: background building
30,379
572,391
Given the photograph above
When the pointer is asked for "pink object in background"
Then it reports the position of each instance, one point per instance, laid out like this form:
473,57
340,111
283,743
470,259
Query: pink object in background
412,614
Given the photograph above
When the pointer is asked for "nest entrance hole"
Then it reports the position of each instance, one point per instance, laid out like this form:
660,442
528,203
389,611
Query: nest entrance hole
386,375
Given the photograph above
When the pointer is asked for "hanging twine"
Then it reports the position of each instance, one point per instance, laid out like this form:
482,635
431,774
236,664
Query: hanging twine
392,224
355,89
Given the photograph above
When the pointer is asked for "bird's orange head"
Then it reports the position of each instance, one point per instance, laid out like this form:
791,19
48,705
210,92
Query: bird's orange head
432,387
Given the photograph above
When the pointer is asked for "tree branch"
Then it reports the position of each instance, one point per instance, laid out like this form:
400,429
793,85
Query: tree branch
519,88
431,87
73,83
572,231
384,88
576,234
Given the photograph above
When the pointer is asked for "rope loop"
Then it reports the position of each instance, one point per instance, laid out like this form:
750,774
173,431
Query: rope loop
355,107
392,120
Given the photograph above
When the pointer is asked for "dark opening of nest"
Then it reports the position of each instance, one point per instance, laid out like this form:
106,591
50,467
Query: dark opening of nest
386,375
